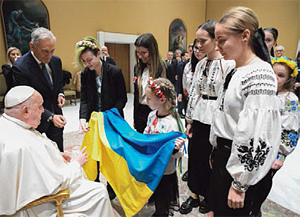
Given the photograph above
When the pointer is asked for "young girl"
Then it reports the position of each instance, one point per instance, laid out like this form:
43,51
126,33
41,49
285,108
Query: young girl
285,71
160,97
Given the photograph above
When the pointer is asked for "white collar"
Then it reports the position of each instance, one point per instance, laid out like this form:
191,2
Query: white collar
17,121
36,59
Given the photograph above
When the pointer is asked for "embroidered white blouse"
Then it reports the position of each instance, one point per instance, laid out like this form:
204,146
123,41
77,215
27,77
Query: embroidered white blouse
200,109
164,124
187,77
290,117
248,113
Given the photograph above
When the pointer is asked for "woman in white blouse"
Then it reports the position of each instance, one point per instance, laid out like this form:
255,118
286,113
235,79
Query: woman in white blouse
208,77
246,123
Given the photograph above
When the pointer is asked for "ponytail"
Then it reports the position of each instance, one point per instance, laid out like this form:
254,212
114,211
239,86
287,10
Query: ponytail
259,45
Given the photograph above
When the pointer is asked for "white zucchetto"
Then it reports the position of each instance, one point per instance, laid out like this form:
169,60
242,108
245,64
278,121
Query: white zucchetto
17,95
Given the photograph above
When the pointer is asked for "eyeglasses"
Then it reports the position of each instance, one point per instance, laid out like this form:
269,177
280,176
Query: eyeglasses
278,50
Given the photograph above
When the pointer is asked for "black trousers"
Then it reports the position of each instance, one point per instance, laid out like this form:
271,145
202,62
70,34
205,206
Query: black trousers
141,118
221,182
198,161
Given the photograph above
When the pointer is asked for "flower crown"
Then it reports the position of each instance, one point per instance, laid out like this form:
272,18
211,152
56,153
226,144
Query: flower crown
87,44
292,64
156,88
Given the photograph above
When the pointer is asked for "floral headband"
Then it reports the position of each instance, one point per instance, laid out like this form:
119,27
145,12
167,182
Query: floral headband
87,44
292,64
156,88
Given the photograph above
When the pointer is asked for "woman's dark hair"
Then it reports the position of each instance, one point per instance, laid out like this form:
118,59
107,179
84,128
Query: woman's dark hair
148,41
209,26
297,59
194,59
274,32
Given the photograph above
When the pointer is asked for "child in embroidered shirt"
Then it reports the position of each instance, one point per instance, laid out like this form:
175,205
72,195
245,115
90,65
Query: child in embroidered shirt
160,97
285,71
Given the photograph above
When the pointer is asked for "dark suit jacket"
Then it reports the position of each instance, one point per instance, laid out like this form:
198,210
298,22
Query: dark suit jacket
26,71
113,90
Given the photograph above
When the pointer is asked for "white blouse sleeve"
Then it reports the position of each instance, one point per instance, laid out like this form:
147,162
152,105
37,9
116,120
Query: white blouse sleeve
194,93
290,112
257,134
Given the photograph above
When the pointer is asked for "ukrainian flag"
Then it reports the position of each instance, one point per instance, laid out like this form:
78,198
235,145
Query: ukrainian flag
132,163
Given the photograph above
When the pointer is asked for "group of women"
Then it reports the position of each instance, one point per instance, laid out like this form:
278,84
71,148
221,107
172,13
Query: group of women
233,117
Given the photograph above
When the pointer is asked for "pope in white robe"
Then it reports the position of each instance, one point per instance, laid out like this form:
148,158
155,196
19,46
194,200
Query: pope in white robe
31,165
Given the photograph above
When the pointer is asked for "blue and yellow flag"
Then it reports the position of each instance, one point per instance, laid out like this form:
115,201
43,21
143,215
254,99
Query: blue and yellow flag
133,163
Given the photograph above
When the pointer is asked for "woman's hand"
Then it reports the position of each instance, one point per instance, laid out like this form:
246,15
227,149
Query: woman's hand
277,164
83,126
235,198
189,131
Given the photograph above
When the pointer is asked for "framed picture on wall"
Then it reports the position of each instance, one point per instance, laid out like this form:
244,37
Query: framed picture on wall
19,19
177,35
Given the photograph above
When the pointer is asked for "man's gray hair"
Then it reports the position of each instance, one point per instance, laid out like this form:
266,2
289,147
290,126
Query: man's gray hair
41,33
279,47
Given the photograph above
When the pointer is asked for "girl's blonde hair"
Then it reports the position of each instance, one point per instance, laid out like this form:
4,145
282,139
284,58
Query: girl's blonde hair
88,43
167,89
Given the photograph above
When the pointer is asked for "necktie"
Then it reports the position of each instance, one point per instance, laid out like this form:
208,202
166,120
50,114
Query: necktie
47,76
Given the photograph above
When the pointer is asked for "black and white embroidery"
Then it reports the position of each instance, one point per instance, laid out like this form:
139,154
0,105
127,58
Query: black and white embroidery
251,158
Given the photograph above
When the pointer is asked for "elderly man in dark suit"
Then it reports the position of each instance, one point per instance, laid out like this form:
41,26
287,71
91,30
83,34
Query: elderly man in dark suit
40,69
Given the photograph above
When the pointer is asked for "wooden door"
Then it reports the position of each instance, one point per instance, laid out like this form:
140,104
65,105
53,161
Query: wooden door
120,54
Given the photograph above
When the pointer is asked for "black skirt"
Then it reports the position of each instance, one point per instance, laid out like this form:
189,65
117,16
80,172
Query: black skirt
198,161
141,118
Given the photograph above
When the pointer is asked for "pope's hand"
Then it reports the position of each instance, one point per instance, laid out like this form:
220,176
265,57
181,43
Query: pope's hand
66,156
81,157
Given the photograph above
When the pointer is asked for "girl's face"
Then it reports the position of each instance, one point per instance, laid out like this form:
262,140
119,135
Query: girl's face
207,44
90,60
282,75
228,43
14,55
143,54
269,40
198,54
152,100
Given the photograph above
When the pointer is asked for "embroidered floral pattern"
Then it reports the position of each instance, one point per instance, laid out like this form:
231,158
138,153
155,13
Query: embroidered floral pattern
291,106
251,158
289,138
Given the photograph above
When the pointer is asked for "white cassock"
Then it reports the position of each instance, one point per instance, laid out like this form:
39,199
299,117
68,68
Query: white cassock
31,166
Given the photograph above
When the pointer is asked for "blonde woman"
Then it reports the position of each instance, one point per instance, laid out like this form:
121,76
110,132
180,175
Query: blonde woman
245,130
13,54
